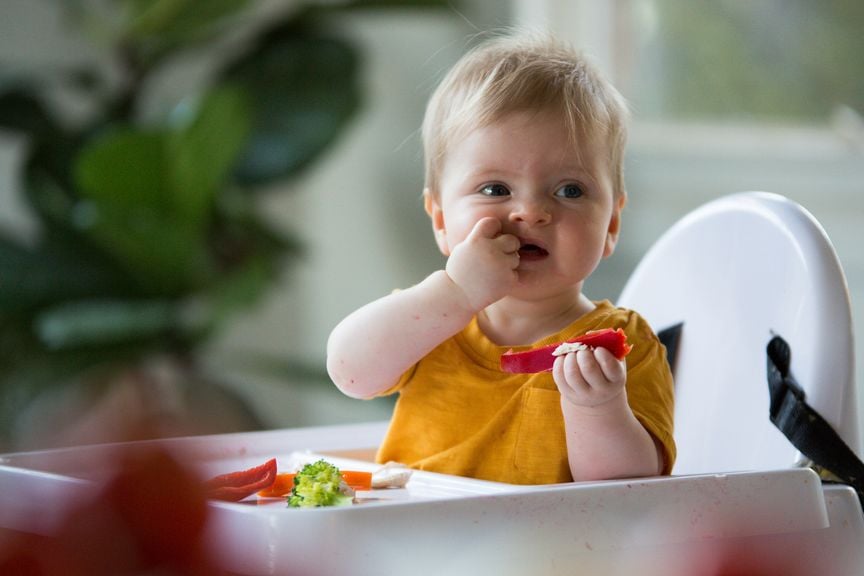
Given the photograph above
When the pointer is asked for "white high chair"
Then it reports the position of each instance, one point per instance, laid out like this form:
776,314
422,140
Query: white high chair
732,272
736,271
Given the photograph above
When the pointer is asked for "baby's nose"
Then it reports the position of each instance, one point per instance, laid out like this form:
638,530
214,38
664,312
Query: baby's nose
531,211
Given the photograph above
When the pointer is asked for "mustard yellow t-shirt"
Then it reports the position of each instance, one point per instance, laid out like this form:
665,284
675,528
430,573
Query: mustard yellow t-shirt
458,413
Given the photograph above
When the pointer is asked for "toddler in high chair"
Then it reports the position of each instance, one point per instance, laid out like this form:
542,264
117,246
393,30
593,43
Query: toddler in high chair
524,143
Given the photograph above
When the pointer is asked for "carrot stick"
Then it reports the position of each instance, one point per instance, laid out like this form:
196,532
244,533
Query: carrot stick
357,480
281,486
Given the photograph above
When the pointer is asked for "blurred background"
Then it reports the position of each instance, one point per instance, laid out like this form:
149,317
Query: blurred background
193,193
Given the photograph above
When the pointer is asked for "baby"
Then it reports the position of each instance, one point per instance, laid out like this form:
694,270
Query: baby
524,143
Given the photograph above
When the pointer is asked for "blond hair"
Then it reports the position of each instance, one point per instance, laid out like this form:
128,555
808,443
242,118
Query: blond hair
519,72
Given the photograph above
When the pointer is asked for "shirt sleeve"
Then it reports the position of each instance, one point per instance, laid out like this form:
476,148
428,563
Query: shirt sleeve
650,388
403,380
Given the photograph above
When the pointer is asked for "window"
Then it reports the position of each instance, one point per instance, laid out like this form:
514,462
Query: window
772,61
728,96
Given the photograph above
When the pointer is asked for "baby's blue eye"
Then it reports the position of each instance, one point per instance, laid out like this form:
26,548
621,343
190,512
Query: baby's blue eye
495,190
569,191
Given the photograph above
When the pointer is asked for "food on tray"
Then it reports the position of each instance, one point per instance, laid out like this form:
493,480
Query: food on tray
391,475
316,484
236,486
281,486
542,359
320,484
356,479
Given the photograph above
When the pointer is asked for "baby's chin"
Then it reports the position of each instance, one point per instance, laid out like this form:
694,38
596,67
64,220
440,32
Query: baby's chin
535,284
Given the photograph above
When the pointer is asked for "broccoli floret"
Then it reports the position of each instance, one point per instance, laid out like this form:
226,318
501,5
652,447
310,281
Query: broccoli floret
319,484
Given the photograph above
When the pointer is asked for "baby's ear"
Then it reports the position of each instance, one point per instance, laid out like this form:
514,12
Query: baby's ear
433,209
614,229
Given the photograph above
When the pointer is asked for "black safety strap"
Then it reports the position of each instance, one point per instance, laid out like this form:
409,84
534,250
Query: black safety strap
808,431
670,337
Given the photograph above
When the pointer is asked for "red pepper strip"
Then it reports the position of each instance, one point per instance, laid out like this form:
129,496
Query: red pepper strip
235,486
541,359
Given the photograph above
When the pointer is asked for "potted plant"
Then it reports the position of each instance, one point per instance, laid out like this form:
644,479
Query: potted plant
149,234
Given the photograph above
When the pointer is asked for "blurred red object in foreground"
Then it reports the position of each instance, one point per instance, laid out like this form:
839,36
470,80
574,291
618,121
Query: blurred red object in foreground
147,518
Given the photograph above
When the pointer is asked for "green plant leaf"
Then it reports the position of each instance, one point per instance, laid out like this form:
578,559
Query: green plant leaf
22,110
204,152
303,89
162,184
100,322
239,289
128,167
125,179
241,230
52,272
400,4
173,20
47,181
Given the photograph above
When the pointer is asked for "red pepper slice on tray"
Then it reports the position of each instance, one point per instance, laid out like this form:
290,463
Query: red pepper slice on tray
235,486
541,359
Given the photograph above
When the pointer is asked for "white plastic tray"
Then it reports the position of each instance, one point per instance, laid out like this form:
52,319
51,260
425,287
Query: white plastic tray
449,525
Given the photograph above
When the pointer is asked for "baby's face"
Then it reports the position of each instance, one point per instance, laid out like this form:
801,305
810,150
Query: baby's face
523,170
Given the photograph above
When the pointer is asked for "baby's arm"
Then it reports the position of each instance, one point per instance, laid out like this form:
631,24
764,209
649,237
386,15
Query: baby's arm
604,438
370,349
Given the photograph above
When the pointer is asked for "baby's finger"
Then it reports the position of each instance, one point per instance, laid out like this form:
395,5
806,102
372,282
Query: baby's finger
560,379
508,243
612,368
485,228
590,368
566,373
512,260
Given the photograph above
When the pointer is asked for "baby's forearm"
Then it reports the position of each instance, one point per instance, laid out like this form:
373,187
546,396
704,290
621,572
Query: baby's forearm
608,442
370,349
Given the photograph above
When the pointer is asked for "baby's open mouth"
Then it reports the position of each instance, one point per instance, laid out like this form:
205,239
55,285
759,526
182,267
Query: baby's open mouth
530,251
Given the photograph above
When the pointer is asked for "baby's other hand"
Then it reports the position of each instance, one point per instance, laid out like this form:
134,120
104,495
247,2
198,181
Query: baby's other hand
484,264
589,378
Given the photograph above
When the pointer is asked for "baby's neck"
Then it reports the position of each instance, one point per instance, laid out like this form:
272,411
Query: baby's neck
510,322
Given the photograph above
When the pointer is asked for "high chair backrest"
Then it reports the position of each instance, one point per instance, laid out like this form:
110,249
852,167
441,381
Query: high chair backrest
736,271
